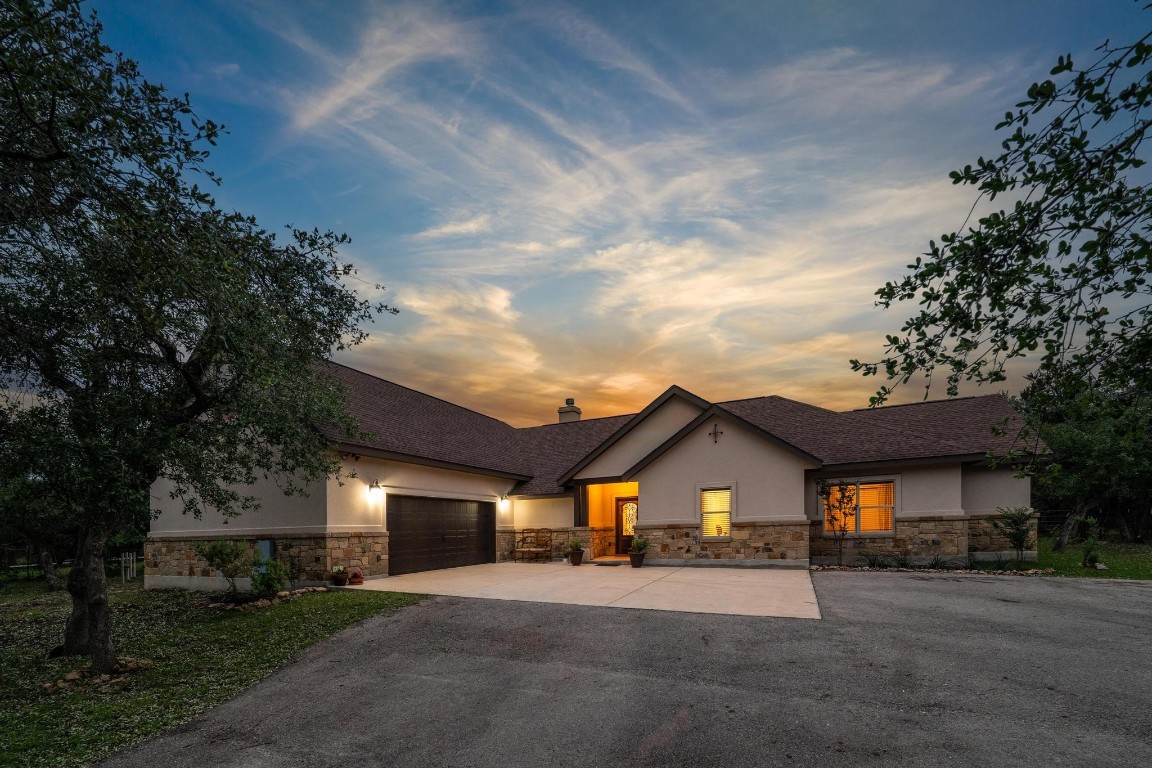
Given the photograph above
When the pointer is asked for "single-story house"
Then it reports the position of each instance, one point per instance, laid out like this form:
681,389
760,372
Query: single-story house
727,483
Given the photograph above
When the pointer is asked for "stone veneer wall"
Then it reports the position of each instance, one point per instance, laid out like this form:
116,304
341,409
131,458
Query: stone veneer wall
984,538
919,538
309,557
749,542
602,541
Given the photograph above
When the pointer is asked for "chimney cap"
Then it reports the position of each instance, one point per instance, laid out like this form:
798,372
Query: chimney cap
570,401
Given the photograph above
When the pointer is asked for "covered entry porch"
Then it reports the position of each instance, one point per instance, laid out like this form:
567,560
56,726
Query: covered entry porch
609,511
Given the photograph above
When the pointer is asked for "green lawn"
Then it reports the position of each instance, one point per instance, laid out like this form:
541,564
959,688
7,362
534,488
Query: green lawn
201,656
1124,560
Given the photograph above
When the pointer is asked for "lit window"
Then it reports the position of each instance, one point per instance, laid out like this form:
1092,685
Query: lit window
715,512
864,508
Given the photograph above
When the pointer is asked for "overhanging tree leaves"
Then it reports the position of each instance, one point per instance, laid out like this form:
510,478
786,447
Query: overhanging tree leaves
160,335
1062,273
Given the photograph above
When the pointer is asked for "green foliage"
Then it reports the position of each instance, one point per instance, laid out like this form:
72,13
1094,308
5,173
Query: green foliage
202,657
1125,560
152,333
1016,523
901,560
839,501
938,563
230,558
1090,548
639,544
877,560
575,545
268,576
1100,443
1061,272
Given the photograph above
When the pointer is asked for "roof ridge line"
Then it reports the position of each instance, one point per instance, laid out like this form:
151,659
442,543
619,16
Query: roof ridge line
578,421
926,402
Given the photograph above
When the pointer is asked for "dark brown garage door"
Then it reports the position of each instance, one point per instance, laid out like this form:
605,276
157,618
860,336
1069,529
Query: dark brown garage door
425,534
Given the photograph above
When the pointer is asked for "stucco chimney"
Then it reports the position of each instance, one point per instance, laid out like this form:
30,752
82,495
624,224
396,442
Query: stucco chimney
569,412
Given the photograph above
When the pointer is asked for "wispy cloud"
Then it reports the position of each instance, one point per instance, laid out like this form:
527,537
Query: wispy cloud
580,238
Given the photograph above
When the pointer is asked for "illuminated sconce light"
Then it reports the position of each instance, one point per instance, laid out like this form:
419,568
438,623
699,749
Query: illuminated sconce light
375,488
504,503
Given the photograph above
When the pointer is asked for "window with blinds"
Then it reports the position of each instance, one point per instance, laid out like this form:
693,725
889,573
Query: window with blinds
873,512
715,512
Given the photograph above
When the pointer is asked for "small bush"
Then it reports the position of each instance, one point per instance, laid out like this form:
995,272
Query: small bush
227,557
1090,549
268,577
902,561
938,563
1016,525
876,560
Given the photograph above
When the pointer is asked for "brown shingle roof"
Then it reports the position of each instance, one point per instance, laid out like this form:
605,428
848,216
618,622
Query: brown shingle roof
553,449
403,421
957,427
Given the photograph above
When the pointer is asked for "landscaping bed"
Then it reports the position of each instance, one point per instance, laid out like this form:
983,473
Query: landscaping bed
180,655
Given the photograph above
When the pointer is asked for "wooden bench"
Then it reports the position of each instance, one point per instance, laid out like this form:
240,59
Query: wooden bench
533,543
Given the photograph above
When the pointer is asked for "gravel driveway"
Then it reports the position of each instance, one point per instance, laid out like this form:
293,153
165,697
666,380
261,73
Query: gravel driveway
904,670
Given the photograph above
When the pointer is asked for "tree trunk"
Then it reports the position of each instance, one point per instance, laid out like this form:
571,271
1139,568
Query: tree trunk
48,565
1069,525
89,628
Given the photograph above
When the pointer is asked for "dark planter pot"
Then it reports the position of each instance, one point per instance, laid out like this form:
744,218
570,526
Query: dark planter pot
576,557
340,579
636,558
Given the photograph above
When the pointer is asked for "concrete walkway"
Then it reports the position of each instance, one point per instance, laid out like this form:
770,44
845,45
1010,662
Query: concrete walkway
778,592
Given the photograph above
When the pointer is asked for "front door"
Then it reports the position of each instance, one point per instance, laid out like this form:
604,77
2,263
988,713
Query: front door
626,509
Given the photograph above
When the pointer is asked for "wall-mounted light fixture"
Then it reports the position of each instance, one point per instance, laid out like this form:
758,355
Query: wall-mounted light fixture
504,503
375,488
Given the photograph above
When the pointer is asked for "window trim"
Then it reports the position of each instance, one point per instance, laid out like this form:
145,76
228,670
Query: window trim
858,481
729,486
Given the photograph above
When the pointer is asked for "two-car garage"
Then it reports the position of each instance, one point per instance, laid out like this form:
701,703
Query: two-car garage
426,533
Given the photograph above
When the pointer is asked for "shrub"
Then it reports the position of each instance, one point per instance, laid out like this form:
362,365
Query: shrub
639,544
227,557
877,560
575,545
268,576
1090,549
1016,525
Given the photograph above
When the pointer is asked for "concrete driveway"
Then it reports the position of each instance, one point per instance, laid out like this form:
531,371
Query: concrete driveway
736,591
903,670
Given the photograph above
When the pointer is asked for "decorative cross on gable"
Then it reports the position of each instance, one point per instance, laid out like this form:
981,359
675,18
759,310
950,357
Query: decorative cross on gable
716,432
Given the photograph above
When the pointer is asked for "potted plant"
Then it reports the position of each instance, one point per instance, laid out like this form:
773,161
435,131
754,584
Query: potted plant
355,575
339,576
636,553
575,551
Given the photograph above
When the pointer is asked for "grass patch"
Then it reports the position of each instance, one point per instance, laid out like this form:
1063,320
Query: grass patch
1125,560
202,656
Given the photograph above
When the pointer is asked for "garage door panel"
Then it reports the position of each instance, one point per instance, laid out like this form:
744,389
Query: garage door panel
427,533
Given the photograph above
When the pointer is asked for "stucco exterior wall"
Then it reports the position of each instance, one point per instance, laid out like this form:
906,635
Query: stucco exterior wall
767,480
932,490
666,421
986,488
553,512
333,506
353,507
277,514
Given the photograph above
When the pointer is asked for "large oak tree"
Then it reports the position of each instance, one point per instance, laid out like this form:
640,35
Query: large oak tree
1059,274
144,332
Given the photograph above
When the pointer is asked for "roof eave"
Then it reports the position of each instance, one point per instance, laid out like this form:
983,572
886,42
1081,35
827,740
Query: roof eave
672,391
425,461
711,413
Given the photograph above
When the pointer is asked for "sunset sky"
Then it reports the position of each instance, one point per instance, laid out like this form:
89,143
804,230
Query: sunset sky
598,200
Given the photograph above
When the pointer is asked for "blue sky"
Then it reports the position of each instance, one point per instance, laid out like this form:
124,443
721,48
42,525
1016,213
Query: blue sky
598,200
